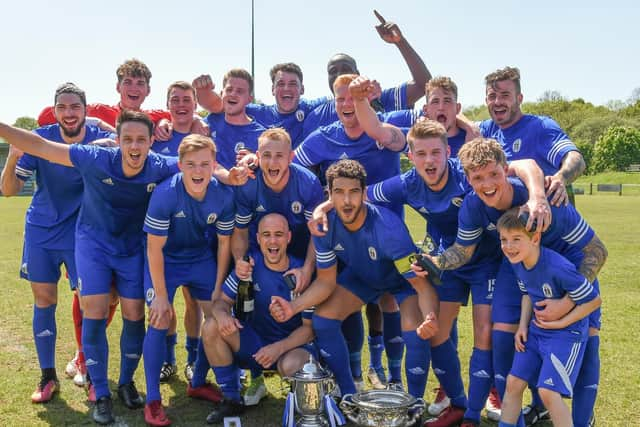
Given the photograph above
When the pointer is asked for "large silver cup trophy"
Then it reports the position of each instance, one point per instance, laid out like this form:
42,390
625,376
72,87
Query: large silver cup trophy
383,408
309,386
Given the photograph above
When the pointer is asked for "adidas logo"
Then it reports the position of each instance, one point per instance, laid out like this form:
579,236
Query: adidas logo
132,356
423,210
180,215
324,353
396,340
260,208
343,156
498,377
417,370
491,226
165,150
439,371
481,374
44,334
549,381
338,247
90,362
107,181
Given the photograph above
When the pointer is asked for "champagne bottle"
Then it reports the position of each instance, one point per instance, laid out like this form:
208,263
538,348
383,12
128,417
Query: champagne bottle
243,307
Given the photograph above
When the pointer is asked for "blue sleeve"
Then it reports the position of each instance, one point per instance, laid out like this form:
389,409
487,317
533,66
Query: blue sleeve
325,256
314,195
226,219
25,167
470,226
310,104
311,151
401,118
84,157
580,290
244,204
398,244
395,98
554,143
576,231
392,190
160,211
230,286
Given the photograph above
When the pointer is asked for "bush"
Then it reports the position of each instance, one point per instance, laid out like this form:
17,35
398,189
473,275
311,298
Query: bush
616,149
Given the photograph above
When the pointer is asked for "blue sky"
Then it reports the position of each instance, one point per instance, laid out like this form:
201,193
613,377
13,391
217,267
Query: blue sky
585,49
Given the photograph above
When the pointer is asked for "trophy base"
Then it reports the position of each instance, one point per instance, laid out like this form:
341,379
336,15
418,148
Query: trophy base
312,421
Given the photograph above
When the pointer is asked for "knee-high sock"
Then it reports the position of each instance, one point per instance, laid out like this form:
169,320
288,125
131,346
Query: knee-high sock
191,345
416,362
201,367
131,341
229,381
480,380
154,341
353,330
586,389
503,351
96,351
446,366
376,347
333,349
170,355
44,335
393,344
76,314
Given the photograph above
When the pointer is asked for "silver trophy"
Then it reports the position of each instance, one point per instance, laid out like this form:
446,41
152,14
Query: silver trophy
309,386
383,408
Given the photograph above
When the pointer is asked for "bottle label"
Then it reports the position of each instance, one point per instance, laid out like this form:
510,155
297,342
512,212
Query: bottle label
248,306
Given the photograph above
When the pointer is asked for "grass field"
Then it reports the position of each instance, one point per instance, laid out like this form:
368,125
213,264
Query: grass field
614,218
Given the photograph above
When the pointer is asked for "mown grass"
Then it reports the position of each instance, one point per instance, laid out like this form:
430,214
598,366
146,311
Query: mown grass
614,218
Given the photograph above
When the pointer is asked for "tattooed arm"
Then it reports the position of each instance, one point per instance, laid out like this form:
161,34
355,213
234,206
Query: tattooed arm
454,257
595,254
572,167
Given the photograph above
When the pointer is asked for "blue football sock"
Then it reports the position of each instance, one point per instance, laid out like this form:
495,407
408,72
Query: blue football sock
153,342
170,356
446,366
131,341
586,388
44,335
505,424
376,347
503,352
393,344
191,345
96,353
480,380
201,367
416,362
229,381
333,350
353,331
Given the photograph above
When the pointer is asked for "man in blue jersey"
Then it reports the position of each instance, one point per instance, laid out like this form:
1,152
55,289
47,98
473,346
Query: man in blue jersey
401,97
525,136
548,354
375,247
289,111
484,163
260,342
182,211
50,223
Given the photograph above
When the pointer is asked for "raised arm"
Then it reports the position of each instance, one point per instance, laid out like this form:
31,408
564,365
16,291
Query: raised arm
386,134
390,33
537,205
10,184
36,145
207,98
572,167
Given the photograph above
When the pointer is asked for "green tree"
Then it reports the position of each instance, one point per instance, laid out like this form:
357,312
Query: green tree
28,123
616,149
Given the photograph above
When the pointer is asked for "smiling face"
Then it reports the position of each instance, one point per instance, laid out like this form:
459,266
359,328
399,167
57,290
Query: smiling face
236,94
347,196
518,246
274,155
429,155
287,89
197,167
182,106
133,91
135,141
503,102
70,114
491,185
345,108
273,237
442,107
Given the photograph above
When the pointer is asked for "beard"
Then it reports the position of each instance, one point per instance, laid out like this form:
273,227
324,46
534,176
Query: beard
73,132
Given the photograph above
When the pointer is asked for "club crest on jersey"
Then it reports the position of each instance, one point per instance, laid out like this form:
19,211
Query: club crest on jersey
517,144
372,253
150,295
212,218
546,290
239,146
296,207
457,201
150,187
300,115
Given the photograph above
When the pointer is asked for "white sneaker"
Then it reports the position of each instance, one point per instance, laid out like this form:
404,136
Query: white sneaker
255,392
72,369
440,403
493,406
359,383
377,382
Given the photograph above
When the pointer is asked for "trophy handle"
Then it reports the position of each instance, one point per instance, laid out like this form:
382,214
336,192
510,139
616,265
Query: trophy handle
349,408
416,410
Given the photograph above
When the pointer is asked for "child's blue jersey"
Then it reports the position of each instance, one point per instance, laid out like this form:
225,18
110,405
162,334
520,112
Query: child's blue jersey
186,221
377,253
113,205
52,214
296,202
230,138
169,147
533,137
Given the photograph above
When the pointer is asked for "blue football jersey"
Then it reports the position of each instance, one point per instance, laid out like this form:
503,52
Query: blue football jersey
456,142
392,99
169,147
51,217
533,137
377,253
266,283
113,205
186,221
296,202
231,138
269,117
